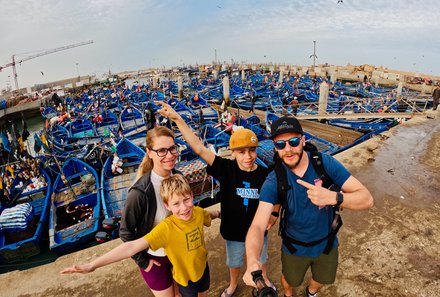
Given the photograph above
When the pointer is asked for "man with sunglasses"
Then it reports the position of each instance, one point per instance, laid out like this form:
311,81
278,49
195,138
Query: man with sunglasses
307,214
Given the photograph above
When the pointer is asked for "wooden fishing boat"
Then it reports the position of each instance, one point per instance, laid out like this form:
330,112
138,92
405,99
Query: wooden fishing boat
75,206
217,138
17,241
362,125
117,175
81,128
132,122
203,110
48,112
108,124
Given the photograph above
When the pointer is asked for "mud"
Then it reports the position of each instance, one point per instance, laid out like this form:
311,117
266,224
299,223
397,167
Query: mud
391,250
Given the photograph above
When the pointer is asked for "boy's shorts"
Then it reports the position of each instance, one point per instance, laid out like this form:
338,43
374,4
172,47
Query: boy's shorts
235,253
193,288
323,267
159,278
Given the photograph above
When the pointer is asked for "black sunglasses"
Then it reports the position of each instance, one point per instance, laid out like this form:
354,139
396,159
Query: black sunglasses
162,152
281,144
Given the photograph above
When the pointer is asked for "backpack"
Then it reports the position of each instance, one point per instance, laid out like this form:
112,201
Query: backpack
284,187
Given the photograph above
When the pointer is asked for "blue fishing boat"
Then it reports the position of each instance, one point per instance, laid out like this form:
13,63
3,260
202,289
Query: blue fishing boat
132,122
24,221
204,110
117,175
246,103
106,123
362,125
75,206
48,112
265,151
81,128
217,138
276,105
182,109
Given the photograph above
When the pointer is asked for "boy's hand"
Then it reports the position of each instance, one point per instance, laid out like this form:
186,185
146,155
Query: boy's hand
86,268
215,214
150,265
272,222
167,111
247,276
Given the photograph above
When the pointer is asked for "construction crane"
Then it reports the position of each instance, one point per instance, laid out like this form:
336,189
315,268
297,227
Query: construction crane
50,51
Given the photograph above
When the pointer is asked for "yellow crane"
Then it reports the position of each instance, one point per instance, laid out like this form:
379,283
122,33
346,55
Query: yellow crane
43,53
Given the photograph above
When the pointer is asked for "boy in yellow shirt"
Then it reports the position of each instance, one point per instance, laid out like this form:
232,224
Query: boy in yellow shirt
181,235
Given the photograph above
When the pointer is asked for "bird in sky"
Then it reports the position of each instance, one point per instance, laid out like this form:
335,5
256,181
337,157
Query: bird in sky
340,1
42,73
219,6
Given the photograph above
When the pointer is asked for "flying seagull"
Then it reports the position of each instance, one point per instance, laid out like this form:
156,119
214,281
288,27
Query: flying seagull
42,73
340,1
219,6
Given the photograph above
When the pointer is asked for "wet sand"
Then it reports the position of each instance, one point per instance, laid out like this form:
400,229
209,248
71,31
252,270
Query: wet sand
391,250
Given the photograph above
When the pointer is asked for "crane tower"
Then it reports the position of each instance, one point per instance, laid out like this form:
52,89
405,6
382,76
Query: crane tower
43,53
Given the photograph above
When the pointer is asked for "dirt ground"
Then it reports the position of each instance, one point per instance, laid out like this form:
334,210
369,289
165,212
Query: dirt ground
391,250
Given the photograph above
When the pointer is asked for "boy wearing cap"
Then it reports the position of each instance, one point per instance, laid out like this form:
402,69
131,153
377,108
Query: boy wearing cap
240,183
308,212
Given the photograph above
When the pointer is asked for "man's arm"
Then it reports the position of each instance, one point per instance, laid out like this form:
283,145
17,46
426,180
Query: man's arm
196,144
255,240
356,195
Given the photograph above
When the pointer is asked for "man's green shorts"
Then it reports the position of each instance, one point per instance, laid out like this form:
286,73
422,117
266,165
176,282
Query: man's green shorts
323,267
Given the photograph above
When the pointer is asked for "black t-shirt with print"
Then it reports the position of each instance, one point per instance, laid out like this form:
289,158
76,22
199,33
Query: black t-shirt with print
239,195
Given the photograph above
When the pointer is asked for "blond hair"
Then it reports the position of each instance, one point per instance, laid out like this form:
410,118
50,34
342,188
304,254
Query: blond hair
174,185
147,164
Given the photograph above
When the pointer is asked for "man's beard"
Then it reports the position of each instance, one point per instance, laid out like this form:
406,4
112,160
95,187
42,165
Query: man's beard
293,166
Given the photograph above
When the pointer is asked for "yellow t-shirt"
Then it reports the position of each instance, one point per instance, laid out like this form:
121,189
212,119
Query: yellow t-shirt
184,244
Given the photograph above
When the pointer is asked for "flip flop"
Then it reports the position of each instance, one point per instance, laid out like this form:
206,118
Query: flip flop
226,293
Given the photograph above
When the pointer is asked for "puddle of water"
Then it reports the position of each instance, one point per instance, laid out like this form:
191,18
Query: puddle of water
407,166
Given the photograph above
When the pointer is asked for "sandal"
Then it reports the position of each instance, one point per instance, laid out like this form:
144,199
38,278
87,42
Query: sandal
227,294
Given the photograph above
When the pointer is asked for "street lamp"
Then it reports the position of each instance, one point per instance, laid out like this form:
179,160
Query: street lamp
77,70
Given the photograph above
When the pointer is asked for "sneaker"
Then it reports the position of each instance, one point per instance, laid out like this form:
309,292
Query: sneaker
310,295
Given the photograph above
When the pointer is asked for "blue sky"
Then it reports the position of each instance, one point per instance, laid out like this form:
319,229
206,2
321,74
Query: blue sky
137,34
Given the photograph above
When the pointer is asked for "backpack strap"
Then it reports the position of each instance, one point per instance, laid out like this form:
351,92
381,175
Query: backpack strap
282,188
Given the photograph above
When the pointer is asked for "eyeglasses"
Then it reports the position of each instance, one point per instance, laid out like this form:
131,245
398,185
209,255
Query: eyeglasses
293,142
162,152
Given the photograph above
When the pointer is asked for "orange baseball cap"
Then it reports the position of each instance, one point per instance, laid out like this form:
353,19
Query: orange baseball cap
243,138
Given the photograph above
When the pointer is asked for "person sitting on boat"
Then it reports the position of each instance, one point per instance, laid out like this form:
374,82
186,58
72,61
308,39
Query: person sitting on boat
240,183
294,104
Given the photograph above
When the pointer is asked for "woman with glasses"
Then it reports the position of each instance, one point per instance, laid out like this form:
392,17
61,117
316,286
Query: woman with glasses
240,183
144,209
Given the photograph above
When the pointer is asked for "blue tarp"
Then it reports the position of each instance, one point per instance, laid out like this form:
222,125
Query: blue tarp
3,104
